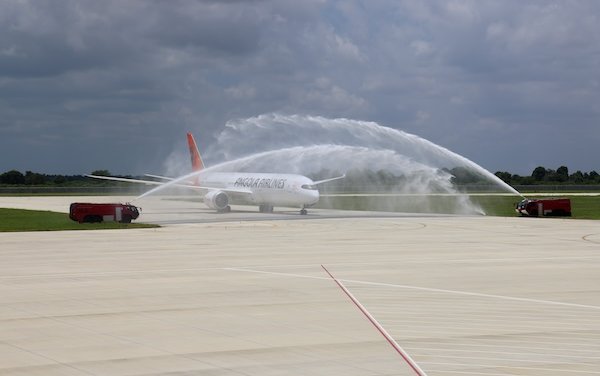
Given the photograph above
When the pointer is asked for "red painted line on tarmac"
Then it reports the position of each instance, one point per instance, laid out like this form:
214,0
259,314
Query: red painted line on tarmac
380,328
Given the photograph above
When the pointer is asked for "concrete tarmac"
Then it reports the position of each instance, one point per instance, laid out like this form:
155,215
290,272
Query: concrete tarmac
244,294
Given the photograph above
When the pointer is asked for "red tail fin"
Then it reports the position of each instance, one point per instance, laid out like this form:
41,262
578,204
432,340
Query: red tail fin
197,163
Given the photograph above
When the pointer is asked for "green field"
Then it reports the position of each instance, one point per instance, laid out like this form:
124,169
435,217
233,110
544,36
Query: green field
583,207
33,220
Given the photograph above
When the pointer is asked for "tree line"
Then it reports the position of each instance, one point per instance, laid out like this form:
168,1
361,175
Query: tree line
539,176
29,178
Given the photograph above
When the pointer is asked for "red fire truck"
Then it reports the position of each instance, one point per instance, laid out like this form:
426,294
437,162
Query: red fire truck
544,207
88,212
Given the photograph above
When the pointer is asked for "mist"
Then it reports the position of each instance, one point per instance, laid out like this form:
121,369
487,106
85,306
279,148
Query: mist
375,158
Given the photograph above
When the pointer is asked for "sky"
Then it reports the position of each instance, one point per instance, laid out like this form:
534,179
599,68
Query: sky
89,85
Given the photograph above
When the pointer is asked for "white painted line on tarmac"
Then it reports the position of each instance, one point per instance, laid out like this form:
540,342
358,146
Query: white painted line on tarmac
430,289
468,293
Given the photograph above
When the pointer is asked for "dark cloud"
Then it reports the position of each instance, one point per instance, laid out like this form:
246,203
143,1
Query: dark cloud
508,84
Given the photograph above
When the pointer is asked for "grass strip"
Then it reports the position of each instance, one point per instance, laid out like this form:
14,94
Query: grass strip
14,220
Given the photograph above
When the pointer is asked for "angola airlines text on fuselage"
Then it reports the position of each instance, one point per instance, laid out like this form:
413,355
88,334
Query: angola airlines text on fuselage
263,189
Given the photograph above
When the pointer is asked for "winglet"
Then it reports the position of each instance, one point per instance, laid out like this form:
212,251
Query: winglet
197,163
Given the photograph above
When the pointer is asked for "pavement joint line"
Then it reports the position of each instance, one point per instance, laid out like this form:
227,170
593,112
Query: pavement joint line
470,326
116,337
568,318
101,273
480,319
498,352
471,373
546,354
529,360
124,339
510,367
62,320
501,346
510,343
430,289
408,261
40,355
96,273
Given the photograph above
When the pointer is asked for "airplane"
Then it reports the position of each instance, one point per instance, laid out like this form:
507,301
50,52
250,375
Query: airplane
222,189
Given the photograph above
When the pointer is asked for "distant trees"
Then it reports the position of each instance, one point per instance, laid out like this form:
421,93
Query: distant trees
562,174
542,175
33,178
539,173
460,176
14,177
101,173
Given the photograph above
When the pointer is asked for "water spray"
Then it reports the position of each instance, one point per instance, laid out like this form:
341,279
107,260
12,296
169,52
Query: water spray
245,137
309,145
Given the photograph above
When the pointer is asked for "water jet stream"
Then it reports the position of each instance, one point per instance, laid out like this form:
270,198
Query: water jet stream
309,145
244,137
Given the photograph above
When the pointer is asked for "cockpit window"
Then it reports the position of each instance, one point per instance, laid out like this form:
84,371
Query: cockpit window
309,186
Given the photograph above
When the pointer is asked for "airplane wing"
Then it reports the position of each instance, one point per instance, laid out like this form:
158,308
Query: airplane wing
166,178
150,182
136,181
327,180
128,180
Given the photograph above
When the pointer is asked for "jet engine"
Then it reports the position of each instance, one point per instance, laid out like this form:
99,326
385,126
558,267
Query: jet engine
217,200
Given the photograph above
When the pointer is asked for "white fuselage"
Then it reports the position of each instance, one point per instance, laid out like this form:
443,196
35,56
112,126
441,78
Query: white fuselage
289,190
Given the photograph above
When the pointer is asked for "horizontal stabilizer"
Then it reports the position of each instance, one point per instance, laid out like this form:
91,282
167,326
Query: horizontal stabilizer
172,182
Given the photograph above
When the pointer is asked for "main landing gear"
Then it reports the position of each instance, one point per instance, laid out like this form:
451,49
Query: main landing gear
265,208
269,209
226,209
